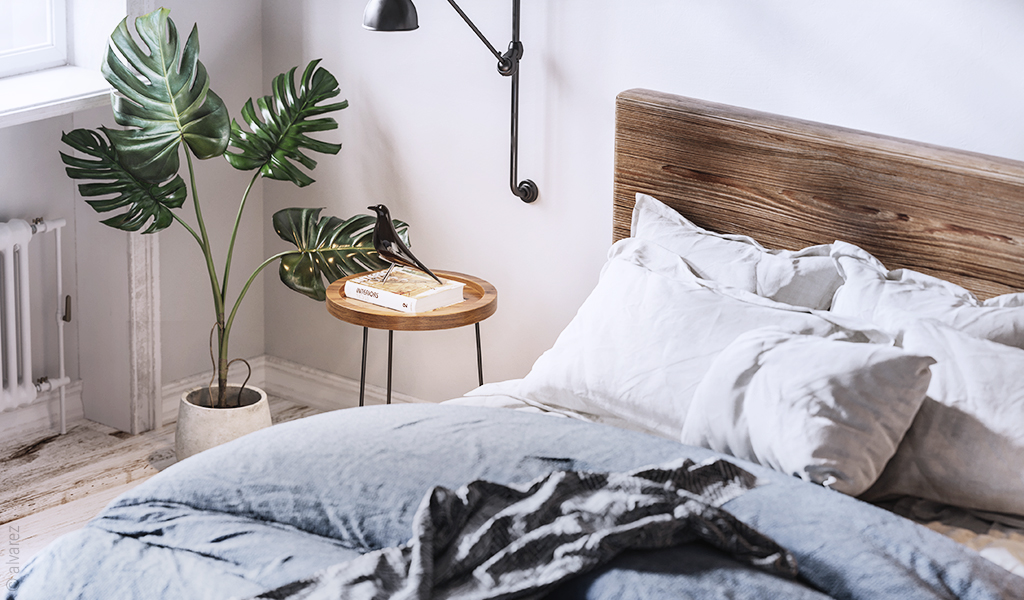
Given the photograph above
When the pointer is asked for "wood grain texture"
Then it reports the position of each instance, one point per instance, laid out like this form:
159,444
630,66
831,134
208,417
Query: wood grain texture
45,471
790,183
480,301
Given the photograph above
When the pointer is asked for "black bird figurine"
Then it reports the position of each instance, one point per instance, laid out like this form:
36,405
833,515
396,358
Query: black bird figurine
390,247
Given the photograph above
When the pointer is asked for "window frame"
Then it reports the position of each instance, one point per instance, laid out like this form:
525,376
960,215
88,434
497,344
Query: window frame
78,85
53,54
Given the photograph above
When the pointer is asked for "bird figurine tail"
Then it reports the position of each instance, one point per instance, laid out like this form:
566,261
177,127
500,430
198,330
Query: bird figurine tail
390,246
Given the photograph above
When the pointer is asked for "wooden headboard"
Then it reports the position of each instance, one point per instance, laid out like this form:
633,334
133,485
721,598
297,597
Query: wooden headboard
790,183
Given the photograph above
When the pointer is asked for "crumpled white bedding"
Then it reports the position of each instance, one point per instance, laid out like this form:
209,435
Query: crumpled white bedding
505,394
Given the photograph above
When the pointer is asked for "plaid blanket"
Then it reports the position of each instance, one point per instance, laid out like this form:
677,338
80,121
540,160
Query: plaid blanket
486,540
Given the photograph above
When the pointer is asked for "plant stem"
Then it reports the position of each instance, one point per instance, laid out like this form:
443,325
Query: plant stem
186,226
218,293
234,230
234,309
225,331
252,278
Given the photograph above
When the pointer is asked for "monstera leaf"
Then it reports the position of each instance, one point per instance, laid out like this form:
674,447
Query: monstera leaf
273,143
163,96
328,248
145,201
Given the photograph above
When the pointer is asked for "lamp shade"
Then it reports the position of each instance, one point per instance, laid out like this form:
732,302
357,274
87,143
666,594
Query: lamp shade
390,15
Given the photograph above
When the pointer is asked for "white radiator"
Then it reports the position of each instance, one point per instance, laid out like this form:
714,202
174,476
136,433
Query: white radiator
15,323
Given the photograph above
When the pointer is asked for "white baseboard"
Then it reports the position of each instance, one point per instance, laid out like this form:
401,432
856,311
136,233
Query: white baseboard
278,377
289,381
43,414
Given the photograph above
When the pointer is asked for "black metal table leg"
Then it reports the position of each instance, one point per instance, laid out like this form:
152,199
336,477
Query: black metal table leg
479,356
391,339
391,344
362,375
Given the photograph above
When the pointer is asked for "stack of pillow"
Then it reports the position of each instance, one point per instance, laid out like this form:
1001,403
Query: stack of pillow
820,363
966,444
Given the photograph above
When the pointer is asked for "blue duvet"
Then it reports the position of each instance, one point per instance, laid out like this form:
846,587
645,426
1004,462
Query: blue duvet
279,505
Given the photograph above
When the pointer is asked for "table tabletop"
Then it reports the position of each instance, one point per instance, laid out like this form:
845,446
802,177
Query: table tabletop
480,301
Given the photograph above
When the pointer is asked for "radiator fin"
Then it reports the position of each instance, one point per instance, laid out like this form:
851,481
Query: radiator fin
15,323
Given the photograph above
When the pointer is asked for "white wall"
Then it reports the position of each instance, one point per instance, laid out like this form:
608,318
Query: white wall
427,133
101,306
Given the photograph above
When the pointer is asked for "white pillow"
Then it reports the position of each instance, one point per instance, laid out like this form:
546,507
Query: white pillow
966,445
828,411
895,299
646,335
806,277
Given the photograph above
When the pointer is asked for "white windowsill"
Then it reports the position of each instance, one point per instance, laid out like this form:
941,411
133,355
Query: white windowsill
50,93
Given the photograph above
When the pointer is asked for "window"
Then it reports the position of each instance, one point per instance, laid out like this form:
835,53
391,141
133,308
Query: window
69,79
33,35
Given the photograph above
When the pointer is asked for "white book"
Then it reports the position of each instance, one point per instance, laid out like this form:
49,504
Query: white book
405,290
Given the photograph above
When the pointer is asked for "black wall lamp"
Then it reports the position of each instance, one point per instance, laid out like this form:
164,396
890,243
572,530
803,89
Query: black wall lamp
400,15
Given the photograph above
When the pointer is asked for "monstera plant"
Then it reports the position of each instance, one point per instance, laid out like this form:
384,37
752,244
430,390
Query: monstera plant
161,96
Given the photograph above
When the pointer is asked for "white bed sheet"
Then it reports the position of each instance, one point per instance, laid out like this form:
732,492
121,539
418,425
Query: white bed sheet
506,394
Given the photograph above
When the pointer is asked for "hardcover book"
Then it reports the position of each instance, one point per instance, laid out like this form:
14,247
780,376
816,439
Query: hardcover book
406,290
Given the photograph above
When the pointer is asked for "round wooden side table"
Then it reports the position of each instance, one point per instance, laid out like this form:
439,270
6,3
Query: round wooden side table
480,301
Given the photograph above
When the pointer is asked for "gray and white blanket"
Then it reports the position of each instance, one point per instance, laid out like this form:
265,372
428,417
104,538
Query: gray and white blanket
297,498
487,540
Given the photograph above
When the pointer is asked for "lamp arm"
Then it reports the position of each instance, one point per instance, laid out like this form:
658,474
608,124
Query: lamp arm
477,31
526,190
508,66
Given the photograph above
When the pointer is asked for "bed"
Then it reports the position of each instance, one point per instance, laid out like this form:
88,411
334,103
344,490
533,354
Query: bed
815,382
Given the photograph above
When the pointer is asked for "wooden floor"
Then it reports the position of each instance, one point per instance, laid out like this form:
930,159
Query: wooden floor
51,484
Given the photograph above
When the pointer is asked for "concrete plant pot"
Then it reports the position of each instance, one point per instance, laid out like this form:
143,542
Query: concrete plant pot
201,427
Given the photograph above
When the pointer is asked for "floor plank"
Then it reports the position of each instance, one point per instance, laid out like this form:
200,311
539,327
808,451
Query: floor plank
60,469
37,530
53,484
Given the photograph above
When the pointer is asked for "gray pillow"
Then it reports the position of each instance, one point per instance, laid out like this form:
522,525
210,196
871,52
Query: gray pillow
826,410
